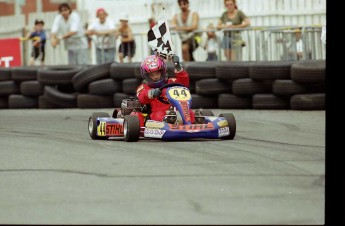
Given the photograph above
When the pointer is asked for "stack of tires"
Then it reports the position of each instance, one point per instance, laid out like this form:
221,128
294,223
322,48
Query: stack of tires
297,85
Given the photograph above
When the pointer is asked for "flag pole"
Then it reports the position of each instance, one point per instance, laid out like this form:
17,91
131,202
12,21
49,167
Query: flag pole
168,30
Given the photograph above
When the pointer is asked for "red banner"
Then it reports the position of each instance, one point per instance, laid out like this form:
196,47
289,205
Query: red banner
10,52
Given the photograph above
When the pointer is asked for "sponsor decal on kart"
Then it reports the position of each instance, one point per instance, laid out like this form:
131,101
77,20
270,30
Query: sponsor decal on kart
223,132
180,93
101,129
185,109
192,127
154,133
154,124
222,123
114,129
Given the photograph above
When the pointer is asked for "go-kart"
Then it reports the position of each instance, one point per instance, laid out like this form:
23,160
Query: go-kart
132,120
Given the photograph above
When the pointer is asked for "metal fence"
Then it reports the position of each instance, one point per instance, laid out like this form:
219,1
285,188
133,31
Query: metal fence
255,44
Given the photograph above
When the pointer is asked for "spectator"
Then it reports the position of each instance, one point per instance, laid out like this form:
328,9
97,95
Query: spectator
185,23
69,28
211,44
127,46
323,35
299,44
104,29
232,18
293,45
38,36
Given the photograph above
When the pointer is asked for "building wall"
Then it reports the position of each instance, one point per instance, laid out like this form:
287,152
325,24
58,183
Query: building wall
6,9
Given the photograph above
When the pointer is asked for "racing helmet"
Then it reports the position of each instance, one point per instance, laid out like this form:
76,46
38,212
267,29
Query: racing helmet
150,64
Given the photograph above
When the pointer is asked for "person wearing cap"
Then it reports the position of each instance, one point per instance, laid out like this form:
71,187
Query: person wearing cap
185,23
127,46
68,27
38,37
104,29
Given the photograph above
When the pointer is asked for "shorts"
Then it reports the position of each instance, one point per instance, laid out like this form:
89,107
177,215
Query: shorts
127,48
226,44
37,51
192,46
228,41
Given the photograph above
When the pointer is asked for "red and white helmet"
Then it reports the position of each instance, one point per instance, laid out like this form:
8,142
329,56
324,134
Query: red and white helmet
150,64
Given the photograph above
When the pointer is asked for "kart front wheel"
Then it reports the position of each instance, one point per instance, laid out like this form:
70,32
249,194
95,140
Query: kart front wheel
92,125
131,128
231,123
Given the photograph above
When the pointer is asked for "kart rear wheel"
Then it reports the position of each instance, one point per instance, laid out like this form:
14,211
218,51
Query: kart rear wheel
131,128
92,125
232,125
206,112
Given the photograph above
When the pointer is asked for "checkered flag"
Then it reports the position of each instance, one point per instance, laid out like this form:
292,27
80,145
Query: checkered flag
159,38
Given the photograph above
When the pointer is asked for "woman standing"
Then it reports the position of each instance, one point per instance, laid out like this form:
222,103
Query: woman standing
232,18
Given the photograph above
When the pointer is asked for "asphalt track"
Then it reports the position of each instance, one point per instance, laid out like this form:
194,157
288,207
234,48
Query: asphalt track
51,172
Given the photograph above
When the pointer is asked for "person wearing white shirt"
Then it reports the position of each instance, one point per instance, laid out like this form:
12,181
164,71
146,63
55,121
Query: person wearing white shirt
67,26
104,29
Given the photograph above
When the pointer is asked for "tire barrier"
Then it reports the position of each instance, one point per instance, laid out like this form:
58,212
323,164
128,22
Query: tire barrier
295,85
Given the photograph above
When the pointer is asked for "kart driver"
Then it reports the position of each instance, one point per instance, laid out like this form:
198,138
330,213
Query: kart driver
154,72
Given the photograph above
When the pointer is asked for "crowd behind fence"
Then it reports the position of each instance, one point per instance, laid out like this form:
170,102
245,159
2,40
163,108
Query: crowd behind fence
271,43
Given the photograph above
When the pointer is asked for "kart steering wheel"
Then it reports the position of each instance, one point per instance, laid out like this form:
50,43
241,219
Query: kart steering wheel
160,98
170,85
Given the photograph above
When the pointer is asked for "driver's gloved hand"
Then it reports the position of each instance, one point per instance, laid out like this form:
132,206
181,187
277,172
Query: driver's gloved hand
177,63
153,93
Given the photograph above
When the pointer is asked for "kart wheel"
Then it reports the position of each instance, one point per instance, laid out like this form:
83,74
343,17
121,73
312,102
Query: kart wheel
206,112
131,128
92,125
232,124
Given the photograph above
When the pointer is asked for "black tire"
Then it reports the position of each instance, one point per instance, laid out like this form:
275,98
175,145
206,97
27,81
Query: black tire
5,74
16,101
201,70
212,87
290,88
249,87
120,71
43,103
314,101
92,125
131,128
270,70
270,101
118,97
204,102
232,125
230,101
105,87
206,112
232,70
31,88
94,101
24,73
3,102
9,87
309,72
82,79
130,85
57,75
64,100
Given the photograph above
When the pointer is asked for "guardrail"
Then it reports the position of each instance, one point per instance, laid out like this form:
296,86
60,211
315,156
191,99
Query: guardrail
276,43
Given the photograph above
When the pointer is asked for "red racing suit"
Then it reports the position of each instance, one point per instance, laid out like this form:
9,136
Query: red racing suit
157,107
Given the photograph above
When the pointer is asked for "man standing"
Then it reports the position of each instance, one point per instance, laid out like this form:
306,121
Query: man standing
69,28
185,23
106,41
